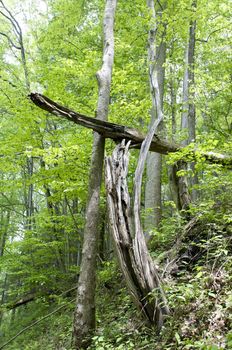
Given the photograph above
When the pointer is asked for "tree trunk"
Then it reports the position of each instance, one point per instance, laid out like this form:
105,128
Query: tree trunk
174,185
29,195
156,58
139,272
192,108
172,169
185,98
188,118
5,221
3,297
84,316
191,80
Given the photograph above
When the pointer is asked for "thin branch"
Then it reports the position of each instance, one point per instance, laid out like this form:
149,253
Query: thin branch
158,2
7,81
210,34
18,32
12,19
12,23
34,323
7,207
10,41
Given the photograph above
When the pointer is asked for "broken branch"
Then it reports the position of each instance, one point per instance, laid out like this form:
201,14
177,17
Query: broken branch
118,132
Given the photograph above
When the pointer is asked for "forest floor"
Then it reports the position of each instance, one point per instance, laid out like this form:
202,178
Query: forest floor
197,276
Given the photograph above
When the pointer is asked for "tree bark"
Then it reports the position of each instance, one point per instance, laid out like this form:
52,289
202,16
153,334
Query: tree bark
172,169
84,316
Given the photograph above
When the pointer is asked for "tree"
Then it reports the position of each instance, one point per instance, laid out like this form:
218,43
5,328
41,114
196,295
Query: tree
84,317
156,61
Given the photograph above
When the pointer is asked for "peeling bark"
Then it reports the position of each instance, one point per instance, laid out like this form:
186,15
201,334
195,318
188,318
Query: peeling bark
140,274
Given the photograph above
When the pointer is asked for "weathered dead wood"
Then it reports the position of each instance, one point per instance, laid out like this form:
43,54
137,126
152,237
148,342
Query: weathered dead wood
118,132
140,274
110,130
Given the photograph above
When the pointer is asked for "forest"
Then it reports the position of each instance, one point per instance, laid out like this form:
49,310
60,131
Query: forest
115,175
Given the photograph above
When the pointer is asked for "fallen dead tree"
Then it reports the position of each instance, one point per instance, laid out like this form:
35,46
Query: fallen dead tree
118,132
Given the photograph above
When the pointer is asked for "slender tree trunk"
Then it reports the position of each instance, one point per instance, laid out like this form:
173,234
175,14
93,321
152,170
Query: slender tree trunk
29,196
3,297
185,99
188,118
173,104
172,169
5,221
191,80
182,181
192,108
156,58
84,316
174,185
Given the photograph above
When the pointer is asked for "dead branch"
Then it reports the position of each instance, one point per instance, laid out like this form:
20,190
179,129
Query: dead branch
118,132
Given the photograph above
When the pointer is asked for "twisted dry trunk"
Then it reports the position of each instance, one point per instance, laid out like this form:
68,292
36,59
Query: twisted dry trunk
140,274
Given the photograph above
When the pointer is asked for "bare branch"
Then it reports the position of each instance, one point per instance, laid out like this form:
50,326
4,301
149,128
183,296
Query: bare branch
10,41
108,130
210,34
7,81
159,3
12,19
118,132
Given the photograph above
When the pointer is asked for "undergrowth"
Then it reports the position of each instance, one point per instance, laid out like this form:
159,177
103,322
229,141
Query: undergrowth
198,292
